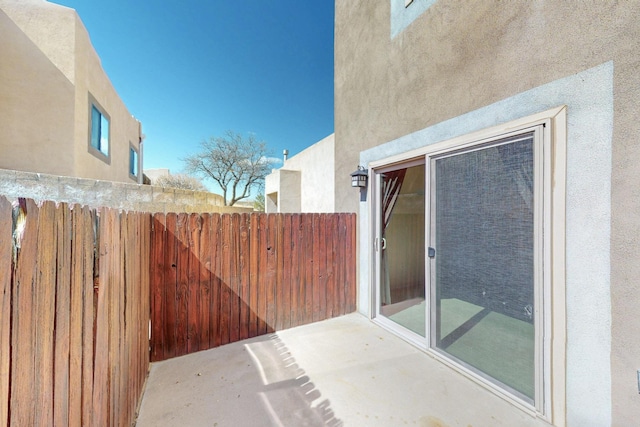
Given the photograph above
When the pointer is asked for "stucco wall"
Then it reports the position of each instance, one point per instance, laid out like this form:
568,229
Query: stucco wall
119,195
461,56
36,106
305,183
50,69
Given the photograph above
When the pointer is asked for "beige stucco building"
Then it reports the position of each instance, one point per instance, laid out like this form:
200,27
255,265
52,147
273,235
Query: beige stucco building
304,183
59,113
499,231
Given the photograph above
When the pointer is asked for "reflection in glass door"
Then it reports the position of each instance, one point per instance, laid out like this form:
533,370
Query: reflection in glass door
482,228
401,246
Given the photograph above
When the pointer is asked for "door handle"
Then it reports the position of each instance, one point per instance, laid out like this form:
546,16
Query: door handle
431,252
383,244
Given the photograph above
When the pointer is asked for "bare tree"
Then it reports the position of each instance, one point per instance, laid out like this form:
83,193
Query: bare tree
236,163
184,182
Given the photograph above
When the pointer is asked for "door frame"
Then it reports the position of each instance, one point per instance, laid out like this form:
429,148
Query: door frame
549,406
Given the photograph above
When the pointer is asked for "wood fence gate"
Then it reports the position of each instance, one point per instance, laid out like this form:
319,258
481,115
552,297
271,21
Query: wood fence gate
220,278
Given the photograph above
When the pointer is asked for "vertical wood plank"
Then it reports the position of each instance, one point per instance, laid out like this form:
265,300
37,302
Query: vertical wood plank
5,306
22,406
75,317
130,243
113,325
44,311
297,300
225,270
193,285
342,237
351,264
62,316
126,379
170,283
308,266
254,272
182,296
158,287
100,402
204,281
243,279
342,233
234,278
214,328
272,265
125,371
286,245
262,276
322,266
331,242
145,305
279,266
279,279
89,232
315,284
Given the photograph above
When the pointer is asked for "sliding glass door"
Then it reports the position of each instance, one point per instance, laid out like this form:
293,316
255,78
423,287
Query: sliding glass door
400,245
459,249
482,283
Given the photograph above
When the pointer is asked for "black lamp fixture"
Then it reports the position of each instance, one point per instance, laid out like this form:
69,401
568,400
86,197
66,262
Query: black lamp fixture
359,177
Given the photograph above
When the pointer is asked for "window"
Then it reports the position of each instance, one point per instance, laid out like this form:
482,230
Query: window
99,141
133,162
467,263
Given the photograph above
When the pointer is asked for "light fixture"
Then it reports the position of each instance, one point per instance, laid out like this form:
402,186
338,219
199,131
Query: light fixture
359,177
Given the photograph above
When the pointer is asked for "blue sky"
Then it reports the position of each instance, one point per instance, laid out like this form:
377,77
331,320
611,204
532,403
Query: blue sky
191,70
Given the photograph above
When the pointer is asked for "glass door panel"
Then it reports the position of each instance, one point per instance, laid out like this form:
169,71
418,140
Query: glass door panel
401,219
482,228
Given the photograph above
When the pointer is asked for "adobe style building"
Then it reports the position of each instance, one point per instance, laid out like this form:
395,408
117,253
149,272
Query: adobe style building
59,113
499,230
304,183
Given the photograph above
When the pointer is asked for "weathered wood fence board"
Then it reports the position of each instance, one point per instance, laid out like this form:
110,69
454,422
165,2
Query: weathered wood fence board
220,278
72,352
5,306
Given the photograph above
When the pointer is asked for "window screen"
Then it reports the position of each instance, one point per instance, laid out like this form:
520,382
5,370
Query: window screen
483,303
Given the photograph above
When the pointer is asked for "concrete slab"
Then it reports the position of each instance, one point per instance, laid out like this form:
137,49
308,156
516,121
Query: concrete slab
340,372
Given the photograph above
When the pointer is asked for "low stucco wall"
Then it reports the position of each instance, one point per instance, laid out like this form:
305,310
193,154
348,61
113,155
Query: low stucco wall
134,197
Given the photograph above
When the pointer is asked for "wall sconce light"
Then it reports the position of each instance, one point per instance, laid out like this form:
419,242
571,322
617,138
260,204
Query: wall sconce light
359,177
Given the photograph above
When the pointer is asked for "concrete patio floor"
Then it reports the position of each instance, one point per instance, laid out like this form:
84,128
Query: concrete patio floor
345,371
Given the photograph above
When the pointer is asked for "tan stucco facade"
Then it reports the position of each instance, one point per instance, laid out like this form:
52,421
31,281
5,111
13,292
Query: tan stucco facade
461,64
304,183
50,75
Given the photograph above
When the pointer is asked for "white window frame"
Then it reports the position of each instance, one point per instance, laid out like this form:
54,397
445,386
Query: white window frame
550,327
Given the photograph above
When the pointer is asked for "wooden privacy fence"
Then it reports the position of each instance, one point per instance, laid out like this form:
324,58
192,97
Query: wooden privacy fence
217,279
74,314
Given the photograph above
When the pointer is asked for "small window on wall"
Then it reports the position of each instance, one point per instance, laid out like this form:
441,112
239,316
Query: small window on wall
133,163
99,130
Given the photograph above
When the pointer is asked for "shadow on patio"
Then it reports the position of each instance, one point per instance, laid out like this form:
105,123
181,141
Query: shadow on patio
252,382
344,371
